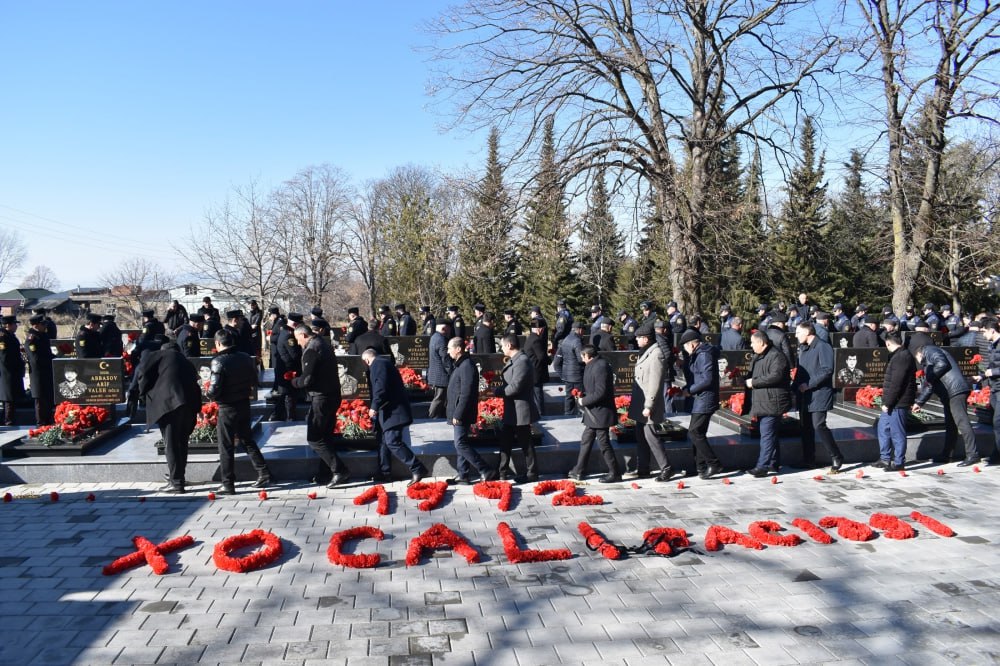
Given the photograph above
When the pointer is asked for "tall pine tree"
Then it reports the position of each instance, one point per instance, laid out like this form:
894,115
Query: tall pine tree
602,246
545,253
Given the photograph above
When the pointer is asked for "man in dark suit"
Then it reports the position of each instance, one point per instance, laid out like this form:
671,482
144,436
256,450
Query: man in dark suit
519,409
438,371
38,351
814,386
406,323
598,406
11,370
287,364
867,336
88,340
462,413
569,364
189,334
111,338
535,347
390,410
369,338
321,381
169,384
483,339
356,325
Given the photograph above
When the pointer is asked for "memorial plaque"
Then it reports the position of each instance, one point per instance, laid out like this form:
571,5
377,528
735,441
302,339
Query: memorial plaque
853,368
339,335
206,346
622,369
62,348
89,381
734,370
413,351
353,378
963,356
490,366
842,340
714,339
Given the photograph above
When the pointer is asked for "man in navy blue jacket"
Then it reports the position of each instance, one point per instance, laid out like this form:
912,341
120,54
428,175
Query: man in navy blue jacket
390,410
814,386
701,373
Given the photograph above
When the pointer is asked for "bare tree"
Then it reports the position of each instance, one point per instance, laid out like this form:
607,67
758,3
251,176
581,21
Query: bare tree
40,277
237,249
12,252
312,212
364,238
633,83
961,37
139,282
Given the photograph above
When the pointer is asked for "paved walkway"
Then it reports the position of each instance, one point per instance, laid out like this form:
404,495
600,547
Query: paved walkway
926,600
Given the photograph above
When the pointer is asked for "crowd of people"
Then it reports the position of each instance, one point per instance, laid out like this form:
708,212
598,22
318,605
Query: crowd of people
675,354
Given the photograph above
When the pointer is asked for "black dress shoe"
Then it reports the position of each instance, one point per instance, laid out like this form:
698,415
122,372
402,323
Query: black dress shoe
338,479
664,475
710,471
261,482
968,462
172,488
758,472
610,479
491,476
226,489
573,475
381,478
894,468
417,478
460,481
836,462
881,464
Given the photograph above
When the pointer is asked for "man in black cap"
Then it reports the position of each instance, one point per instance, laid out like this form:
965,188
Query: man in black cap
439,365
189,334
457,323
596,315
484,339
725,317
763,318
427,321
536,347
11,370
321,381
88,339
676,319
701,379
38,350
646,406
841,324
821,326
905,322
50,326
356,324
407,325
478,310
255,321
512,323
275,322
234,379
386,324
604,339
370,338
860,312
111,338
287,365
569,364
649,314
866,336
794,316
535,312
931,317
239,328
564,320
629,326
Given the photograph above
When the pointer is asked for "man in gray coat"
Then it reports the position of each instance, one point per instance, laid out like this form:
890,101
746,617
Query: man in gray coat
569,365
519,409
646,407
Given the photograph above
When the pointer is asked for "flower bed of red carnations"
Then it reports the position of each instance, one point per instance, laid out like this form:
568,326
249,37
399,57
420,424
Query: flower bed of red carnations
76,429
624,431
731,414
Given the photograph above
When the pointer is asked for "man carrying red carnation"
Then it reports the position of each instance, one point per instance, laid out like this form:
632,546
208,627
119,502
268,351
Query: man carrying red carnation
597,401
991,331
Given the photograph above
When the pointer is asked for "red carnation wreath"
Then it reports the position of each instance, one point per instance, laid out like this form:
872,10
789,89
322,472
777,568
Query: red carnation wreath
813,530
847,528
717,535
598,542
766,531
439,536
892,527
933,525
269,551
432,493
375,492
360,561
498,490
515,555
567,496
149,553
665,540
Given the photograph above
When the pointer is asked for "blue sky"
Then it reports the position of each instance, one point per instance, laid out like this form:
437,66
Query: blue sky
122,122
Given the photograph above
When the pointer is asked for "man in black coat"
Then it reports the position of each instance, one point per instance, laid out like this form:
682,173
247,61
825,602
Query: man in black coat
287,365
564,322
356,325
11,370
111,338
569,364
234,379
38,350
321,381
597,402
275,322
427,322
867,334
535,346
189,335
770,399
732,336
814,386
406,323
255,320
991,373
176,315
629,326
899,390
369,339
168,383
604,340
438,371
512,324
484,340
51,329
943,378
390,412
462,414
386,324
88,339
457,322
777,331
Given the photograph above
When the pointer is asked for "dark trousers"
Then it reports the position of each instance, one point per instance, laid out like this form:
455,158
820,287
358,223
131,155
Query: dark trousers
8,413
608,453
234,425
956,422
284,404
391,444
768,456
175,428
995,404
570,407
439,403
43,410
320,420
892,436
468,459
704,456
521,434
539,395
646,441
814,427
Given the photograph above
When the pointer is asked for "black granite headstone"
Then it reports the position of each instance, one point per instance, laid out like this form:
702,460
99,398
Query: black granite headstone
410,350
89,381
853,368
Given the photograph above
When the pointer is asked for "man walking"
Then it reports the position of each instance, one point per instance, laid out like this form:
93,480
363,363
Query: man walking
598,405
519,409
701,374
769,383
647,404
899,390
438,371
462,413
390,411
814,386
